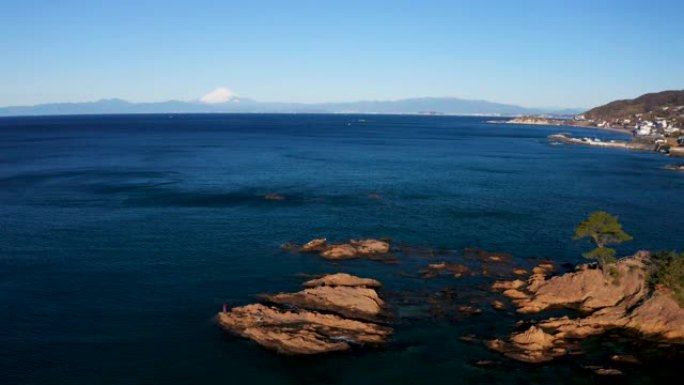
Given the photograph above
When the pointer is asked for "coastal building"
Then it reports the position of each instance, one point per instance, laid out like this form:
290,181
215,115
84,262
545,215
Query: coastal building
672,130
644,128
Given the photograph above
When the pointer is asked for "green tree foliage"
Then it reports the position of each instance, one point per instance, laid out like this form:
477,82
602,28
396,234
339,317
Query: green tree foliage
668,270
603,229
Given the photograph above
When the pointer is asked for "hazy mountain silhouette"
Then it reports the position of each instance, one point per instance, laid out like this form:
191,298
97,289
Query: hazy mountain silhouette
404,106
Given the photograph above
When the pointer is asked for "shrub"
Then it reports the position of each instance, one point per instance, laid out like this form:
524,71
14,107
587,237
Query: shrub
667,270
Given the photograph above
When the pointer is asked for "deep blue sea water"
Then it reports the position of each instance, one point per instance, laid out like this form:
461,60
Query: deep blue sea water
121,236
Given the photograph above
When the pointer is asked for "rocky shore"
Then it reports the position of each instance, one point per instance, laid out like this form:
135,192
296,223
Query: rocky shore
338,312
625,145
622,300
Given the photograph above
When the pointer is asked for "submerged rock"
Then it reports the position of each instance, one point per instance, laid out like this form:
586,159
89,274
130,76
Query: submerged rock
486,256
331,314
625,359
607,372
274,197
432,270
469,309
507,285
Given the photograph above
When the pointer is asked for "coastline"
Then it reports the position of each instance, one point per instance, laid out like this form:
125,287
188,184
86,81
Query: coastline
550,123
560,137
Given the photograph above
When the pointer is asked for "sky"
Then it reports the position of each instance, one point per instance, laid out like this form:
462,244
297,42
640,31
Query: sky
548,53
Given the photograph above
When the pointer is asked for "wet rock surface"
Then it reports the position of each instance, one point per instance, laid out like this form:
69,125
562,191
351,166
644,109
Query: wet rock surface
331,314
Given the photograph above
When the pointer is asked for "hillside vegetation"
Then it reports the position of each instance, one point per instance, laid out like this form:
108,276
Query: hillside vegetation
666,105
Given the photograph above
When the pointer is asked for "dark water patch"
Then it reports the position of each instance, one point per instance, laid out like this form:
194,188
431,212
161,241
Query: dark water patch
68,177
162,196
492,171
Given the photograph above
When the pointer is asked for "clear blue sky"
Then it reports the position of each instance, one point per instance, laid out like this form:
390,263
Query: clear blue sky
532,53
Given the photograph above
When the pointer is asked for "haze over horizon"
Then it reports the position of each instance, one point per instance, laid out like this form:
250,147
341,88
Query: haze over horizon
574,55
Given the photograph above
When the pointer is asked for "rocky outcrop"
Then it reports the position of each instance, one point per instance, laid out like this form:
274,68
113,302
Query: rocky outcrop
332,314
508,285
589,289
342,279
660,315
350,301
314,246
364,248
300,332
371,246
533,346
344,251
618,300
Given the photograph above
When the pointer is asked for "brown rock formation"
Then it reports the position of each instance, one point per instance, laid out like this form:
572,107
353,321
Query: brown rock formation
300,332
349,301
317,319
364,248
342,279
370,246
621,300
344,251
589,289
315,246
532,345
506,285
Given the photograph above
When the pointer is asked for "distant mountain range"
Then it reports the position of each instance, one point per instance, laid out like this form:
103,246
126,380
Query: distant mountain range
451,106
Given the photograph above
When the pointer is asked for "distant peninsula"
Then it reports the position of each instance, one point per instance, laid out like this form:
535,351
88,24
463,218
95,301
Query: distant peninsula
649,114
655,120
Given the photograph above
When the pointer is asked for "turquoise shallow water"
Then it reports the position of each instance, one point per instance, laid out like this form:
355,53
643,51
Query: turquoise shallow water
121,236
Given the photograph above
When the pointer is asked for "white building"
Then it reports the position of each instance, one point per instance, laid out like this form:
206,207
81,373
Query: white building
644,128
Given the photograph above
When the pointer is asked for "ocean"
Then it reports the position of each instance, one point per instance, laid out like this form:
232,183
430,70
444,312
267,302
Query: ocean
122,236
